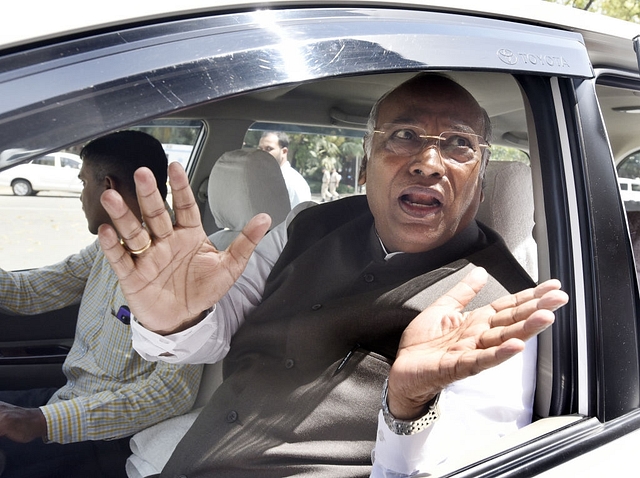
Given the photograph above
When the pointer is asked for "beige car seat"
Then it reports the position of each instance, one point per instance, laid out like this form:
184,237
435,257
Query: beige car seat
508,209
242,183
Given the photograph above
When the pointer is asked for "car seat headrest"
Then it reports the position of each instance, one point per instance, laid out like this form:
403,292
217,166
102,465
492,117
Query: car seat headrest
243,183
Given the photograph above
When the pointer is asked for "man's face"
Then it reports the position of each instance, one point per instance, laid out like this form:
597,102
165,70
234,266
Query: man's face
270,144
419,202
90,197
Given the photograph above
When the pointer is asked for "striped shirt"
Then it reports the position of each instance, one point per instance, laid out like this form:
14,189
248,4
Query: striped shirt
111,392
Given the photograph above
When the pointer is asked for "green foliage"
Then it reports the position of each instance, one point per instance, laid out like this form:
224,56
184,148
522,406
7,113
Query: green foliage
310,153
503,153
624,9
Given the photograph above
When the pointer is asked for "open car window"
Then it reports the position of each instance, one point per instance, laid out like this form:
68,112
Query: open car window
42,213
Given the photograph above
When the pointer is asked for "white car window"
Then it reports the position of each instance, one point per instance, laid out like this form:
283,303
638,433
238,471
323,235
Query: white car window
45,161
70,163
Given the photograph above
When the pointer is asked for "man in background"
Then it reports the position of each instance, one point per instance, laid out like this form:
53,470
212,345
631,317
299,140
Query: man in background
334,182
324,189
277,144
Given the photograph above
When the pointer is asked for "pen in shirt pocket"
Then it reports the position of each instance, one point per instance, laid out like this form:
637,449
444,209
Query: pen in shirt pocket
346,358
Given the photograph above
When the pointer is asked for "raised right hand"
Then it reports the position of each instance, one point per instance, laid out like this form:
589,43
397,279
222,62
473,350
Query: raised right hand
181,273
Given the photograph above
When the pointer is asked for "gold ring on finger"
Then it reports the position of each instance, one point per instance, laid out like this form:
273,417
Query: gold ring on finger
136,252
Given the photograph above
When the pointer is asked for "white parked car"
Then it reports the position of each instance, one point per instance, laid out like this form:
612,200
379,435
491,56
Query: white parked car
53,172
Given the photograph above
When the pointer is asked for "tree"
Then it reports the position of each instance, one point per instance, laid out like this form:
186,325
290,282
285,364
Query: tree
624,9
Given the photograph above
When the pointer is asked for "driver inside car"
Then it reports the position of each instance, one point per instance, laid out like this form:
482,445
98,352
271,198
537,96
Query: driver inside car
83,428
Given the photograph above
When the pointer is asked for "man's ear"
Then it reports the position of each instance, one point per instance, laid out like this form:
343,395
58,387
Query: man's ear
109,182
362,174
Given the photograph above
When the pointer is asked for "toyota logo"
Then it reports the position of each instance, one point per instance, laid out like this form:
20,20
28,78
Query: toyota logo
507,56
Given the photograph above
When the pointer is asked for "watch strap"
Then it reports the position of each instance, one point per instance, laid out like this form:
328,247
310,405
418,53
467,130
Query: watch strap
408,427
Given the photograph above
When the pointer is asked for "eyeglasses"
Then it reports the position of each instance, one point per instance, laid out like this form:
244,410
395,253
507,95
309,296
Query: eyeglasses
408,140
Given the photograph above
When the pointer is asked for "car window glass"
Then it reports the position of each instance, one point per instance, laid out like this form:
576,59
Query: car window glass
178,137
43,218
47,224
509,153
620,108
312,149
45,161
69,163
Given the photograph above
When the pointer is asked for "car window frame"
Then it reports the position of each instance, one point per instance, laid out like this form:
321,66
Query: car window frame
93,74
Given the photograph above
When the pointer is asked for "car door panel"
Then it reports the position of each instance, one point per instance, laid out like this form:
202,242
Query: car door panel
33,348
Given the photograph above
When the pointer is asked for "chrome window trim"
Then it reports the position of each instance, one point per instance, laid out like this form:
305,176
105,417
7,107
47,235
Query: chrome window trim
578,294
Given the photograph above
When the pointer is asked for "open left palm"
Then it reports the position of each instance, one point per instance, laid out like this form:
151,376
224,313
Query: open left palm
443,344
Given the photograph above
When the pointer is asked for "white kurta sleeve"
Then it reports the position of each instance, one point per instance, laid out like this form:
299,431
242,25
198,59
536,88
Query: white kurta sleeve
208,341
473,412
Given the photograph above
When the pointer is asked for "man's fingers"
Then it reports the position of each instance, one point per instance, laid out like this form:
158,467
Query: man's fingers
551,301
154,212
521,297
464,291
135,237
242,246
499,354
184,204
523,321
121,262
523,330
471,362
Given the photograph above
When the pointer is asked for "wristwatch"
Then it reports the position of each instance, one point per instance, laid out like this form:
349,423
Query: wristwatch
408,427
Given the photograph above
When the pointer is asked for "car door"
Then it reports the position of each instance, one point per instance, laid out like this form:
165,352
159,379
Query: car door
232,69
69,167
41,172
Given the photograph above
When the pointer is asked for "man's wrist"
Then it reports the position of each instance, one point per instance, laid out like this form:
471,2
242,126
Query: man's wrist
407,406
184,325
39,424
430,413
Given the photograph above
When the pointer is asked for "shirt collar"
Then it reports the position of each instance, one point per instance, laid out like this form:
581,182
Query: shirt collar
463,243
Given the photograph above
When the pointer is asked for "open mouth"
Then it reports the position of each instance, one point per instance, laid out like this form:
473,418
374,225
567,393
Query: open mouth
420,200
420,203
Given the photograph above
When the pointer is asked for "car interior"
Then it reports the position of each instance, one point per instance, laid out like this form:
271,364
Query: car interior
228,72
